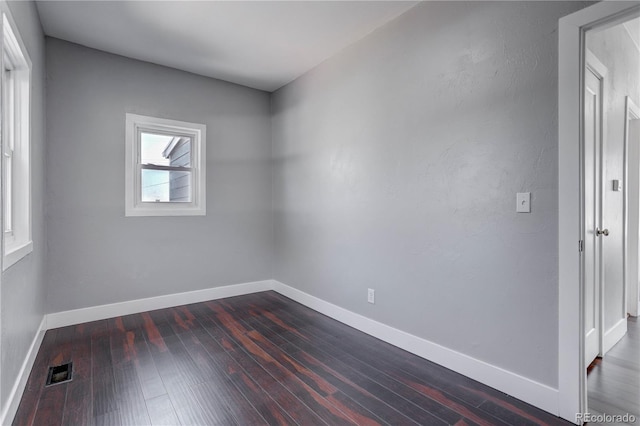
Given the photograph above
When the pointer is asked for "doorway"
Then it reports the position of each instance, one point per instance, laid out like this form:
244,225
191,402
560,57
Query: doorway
612,67
573,215
616,48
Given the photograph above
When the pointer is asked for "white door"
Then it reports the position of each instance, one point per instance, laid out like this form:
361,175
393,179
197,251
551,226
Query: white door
594,232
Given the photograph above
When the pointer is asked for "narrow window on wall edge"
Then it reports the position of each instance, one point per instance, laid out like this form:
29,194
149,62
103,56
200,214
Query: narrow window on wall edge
16,157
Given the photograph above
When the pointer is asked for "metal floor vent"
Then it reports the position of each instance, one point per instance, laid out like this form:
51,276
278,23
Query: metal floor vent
59,374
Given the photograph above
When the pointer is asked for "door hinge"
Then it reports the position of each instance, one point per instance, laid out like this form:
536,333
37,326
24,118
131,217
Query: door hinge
581,245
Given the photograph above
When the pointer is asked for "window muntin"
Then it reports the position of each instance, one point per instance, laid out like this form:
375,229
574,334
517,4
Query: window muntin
165,167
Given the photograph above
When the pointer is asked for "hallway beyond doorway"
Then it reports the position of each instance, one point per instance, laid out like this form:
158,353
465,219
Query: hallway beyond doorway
614,382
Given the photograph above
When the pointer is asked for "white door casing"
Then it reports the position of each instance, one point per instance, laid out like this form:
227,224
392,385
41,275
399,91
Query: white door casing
571,59
632,204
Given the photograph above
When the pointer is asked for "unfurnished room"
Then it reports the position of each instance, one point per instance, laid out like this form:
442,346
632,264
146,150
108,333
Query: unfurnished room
320,212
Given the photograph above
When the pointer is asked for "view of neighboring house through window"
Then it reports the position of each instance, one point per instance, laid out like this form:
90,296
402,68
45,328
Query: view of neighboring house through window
16,163
165,167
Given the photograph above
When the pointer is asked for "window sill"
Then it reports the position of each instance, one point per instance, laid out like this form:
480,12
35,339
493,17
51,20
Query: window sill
166,210
16,253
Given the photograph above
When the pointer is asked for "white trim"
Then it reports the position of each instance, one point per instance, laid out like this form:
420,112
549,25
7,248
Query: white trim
571,368
19,244
571,398
95,313
537,394
15,254
15,43
632,112
13,401
135,123
614,334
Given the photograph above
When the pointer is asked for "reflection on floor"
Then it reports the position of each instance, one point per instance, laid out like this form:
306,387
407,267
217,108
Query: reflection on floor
614,382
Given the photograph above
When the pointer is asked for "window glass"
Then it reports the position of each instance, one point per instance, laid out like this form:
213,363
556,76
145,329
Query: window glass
165,162
151,148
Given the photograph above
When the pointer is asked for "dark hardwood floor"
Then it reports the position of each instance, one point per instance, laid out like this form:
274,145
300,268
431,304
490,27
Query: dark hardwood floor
613,384
250,360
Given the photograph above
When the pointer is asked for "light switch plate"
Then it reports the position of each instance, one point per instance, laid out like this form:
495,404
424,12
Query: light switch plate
523,202
617,185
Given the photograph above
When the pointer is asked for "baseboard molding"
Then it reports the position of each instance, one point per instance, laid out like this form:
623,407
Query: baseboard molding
13,401
530,391
614,334
95,313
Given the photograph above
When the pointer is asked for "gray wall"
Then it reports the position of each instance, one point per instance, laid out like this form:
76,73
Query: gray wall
615,49
96,254
23,290
396,167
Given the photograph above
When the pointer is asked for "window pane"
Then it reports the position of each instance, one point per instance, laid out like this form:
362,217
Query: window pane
165,150
162,186
151,148
9,121
8,197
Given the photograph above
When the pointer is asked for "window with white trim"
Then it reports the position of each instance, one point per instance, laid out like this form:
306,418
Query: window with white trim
16,160
165,167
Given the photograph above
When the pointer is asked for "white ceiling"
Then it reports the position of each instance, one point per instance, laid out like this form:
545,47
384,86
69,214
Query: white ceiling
260,44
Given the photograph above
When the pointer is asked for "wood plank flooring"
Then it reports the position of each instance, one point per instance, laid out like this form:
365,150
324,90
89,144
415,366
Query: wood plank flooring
250,360
613,384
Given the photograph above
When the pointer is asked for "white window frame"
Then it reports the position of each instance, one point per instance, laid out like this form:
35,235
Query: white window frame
135,125
16,149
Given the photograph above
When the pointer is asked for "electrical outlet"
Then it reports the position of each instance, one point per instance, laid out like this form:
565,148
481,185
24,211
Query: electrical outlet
371,295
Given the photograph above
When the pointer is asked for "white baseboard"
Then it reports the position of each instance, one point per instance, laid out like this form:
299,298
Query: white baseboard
95,313
17,390
530,391
614,334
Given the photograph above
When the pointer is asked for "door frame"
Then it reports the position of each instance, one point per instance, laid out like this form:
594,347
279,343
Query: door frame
572,371
631,113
